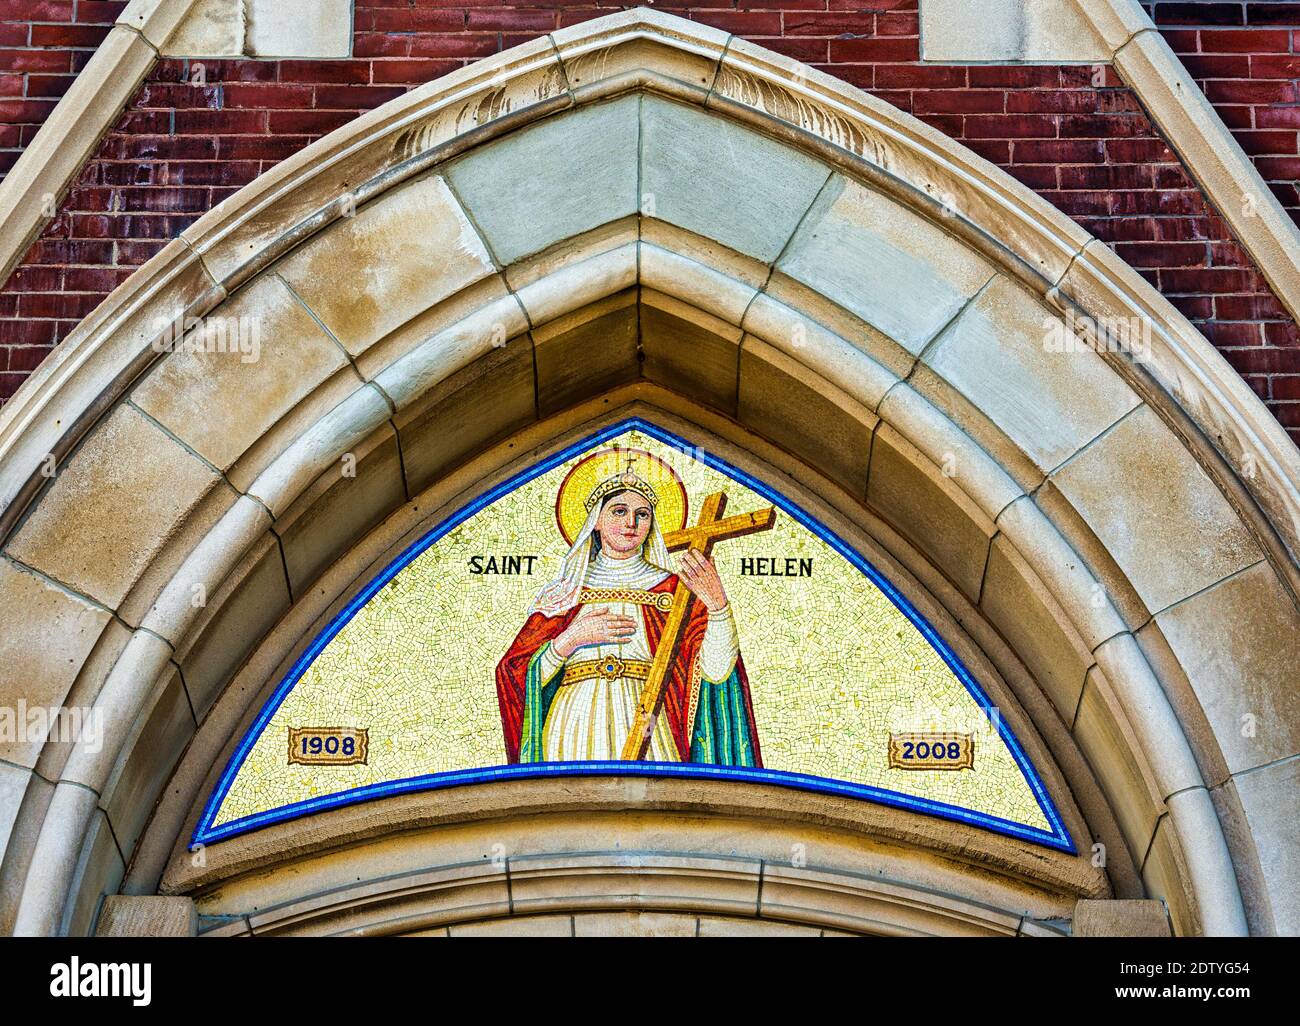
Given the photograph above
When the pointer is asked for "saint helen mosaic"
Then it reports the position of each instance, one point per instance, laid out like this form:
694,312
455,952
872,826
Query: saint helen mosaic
632,605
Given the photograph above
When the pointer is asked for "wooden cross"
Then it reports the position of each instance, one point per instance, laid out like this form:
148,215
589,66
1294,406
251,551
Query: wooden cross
708,529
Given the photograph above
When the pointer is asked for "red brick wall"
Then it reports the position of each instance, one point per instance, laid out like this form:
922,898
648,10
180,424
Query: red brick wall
1090,150
43,45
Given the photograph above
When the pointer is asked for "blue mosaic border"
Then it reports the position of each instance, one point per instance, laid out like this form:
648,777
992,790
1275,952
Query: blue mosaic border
205,833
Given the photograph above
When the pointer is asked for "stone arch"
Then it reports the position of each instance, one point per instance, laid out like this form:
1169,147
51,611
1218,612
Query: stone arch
475,267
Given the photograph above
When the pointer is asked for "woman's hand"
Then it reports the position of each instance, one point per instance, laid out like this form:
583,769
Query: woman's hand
700,575
593,625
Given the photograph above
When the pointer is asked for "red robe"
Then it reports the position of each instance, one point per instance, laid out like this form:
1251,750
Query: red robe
512,672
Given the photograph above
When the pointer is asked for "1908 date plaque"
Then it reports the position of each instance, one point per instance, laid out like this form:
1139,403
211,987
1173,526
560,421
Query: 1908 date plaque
328,746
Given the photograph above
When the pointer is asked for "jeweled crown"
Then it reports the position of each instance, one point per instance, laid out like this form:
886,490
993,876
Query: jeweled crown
625,481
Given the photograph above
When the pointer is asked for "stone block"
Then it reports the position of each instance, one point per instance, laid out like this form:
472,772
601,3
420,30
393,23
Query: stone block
1031,619
237,617
369,274
689,351
147,915
722,180
1144,496
929,509
338,510
245,366
467,411
1114,753
144,485
1270,798
896,271
149,754
1013,360
49,634
521,189
1238,644
586,353
795,408
1142,917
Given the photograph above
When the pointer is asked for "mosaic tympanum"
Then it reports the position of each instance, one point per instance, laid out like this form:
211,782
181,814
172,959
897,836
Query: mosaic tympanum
632,605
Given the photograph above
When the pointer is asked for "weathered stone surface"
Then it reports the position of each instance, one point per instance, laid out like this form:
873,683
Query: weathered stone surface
620,45
1239,645
1165,876
264,28
477,405
929,509
268,354
320,447
719,179
697,271
516,926
338,509
893,269
1037,537
442,340
586,353
143,485
520,189
1209,882
195,553
1121,918
784,401
688,351
213,28
140,672
1030,618
99,873
635,924
977,473
714,926
1010,32
85,692
13,785
1161,738
156,20
1115,754
1144,496
149,754
322,28
1003,355
1270,797
49,634
367,275
849,355
567,277
544,882
871,906
237,617
146,915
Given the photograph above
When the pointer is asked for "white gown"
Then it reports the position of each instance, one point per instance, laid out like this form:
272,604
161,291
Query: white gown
590,719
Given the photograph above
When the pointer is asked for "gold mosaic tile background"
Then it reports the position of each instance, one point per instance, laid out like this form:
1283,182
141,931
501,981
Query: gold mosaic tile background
833,665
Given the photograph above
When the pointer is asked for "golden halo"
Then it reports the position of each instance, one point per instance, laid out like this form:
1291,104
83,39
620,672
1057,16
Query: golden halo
588,472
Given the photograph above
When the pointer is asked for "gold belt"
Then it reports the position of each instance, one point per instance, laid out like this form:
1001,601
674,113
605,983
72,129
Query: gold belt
610,668
661,600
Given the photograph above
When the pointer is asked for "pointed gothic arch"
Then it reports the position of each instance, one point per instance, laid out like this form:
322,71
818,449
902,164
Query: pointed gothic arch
508,253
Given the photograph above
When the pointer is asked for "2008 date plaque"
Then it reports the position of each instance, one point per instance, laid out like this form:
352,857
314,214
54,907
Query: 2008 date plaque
933,751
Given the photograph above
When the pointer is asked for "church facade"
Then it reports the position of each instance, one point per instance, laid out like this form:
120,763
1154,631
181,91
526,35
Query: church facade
790,469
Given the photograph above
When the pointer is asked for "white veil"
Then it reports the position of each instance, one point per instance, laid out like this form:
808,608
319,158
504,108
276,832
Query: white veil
563,592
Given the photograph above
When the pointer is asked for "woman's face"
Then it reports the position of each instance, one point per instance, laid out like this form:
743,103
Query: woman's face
623,524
